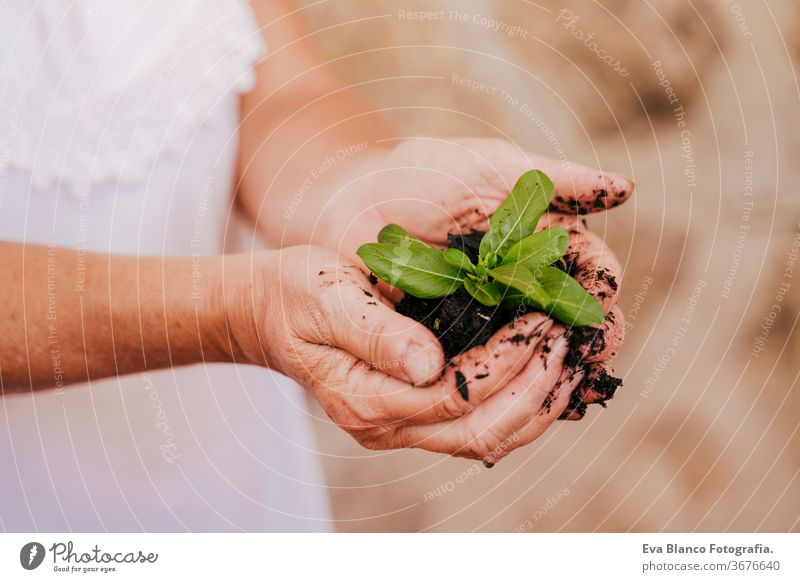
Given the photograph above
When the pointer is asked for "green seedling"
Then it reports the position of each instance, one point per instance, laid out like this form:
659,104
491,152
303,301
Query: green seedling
514,267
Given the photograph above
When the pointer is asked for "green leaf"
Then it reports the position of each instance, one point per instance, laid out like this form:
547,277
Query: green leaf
517,216
485,292
513,298
459,259
393,233
572,304
540,249
522,279
412,266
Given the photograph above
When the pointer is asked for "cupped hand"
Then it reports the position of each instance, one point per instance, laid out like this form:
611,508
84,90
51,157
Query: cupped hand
382,377
435,186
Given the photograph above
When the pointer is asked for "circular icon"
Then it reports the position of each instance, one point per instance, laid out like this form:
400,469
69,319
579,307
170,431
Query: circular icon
31,555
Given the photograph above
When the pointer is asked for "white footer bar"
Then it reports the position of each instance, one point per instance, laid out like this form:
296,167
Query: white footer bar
400,557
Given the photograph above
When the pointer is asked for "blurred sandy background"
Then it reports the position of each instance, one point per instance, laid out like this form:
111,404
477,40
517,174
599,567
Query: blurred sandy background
704,433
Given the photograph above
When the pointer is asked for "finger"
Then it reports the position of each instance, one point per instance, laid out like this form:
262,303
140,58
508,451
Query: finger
487,432
375,400
393,294
579,189
589,260
554,406
596,344
596,267
390,295
582,189
356,320
599,385
613,334
481,371
467,381
568,375
484,171
572,414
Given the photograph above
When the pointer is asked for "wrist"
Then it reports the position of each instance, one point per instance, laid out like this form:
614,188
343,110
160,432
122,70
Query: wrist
237,300
207,297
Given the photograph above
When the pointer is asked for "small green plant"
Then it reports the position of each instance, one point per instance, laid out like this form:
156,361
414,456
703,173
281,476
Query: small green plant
514,264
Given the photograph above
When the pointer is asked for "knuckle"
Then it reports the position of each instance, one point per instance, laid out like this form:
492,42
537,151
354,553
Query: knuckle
313,321
615,330
315,366
365,405
385,438
452,405
370,438
378,341
551,409
534,393
353,410
398,438
481,445
330,300
364,413
475,449
338,290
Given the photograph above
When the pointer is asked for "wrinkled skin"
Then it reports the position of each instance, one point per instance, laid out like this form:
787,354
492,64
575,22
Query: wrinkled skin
317,318
432,187
597,269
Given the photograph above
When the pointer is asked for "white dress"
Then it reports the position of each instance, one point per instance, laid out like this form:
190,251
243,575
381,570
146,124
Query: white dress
118,124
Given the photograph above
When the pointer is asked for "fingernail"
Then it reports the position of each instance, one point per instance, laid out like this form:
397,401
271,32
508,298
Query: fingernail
624,183
422,362
559,350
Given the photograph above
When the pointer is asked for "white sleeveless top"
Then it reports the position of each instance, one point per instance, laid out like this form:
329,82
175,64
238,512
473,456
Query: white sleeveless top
118,123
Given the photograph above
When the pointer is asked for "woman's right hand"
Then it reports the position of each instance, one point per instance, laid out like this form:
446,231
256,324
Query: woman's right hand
304,312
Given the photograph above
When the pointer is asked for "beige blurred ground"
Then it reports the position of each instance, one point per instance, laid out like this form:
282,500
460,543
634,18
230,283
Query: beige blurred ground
711,441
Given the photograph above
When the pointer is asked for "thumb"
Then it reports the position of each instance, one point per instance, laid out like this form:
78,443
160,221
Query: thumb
361,324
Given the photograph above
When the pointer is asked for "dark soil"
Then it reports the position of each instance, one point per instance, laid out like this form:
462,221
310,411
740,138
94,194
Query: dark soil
599,387
468,244
460,322
606,385
461,385
582,342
